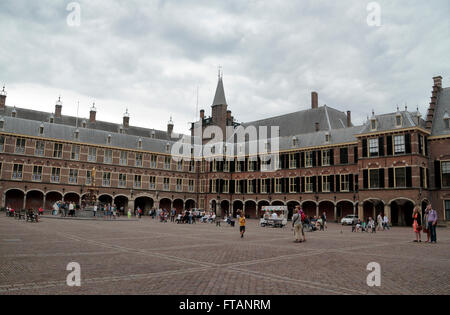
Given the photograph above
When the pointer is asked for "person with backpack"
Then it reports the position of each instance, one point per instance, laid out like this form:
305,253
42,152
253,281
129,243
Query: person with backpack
297,224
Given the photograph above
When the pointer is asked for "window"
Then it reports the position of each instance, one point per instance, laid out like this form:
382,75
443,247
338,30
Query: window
152,182
140,144
373,147
2,123
447,125
37,173
106,179
292,188
167,161
278,185
179,184
309,159
40,148
73,176
263,185
191,186
373,124
2,143
41,130
400,177
250,186
88,177
180,165
251,165
166,183
153,161
447,210
57,150
138,181
326,184
398,120
309,184
92,155
374,176
446,174
202,186
238,187
326,161
75,155
238,166
123,158
108,156
292,161
345,183
17,172
203,166
226,187
20,146
213,186
122,180
344,155
108,140
56,175
399,144
214,166
192,166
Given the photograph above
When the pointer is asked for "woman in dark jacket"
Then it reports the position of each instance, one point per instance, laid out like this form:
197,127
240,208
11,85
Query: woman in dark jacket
417,225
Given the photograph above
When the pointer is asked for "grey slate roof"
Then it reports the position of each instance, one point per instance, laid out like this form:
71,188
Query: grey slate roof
219,98
442,107
40,116
303,122
92,136
387,122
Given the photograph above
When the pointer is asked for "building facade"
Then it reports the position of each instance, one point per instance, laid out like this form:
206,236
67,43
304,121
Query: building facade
389,164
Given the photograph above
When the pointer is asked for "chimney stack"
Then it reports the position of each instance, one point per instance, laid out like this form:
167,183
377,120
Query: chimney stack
3,99
92,114
317,127
126,119
58,108
349,118
314,100
202,114
438,82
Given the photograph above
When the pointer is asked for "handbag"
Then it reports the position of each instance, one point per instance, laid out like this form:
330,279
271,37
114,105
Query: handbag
419,228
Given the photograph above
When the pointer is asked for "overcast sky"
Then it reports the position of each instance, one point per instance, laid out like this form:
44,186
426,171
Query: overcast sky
150,55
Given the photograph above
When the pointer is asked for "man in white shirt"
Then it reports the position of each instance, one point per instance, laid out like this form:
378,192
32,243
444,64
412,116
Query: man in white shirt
274,216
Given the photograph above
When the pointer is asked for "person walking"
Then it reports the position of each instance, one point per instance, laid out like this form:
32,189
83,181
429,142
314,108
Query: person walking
297,224
242,224
95,210
425,225
432,223
417,225
380,222
324,220
172,215
386,222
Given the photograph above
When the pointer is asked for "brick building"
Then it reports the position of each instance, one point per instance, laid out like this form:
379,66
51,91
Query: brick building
389,164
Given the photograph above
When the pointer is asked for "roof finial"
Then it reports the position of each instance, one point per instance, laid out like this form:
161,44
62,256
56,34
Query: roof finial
220,71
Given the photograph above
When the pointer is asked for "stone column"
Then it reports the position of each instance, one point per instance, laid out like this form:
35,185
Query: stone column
317,210
4,200
355,209
335,214
387,211
374,215
360,212
156,204
131,205
45,199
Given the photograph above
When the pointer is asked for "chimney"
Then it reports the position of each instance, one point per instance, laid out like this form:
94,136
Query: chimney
314,100
229,115
58,108
92,114
202,114
3,99
126,119
349,118
170,127
438,82
317,127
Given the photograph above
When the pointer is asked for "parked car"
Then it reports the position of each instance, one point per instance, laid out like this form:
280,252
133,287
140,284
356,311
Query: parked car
349,219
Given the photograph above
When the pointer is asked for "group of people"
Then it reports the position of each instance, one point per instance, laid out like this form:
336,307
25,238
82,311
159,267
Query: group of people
65,208
427,224
370,225
29,214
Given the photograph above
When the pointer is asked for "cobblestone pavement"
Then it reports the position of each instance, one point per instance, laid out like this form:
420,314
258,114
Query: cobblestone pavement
148,257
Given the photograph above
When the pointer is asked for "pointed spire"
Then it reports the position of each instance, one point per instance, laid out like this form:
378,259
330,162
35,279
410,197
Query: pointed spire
3,91
219,98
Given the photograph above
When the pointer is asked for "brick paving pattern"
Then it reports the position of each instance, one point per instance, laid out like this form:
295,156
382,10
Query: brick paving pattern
148,257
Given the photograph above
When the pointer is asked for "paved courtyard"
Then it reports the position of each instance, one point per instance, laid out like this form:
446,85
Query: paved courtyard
148,257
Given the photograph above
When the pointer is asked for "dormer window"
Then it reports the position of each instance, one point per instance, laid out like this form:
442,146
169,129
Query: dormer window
373,124
153,134
41,129
447,121
294,141
327,137
2,123
168,147
108,140
76,134
121,130
51,119
140,143
83,124
14,113
398,120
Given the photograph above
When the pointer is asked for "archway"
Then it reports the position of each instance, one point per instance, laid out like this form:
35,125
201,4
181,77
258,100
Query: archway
165,204
14,199
401,212
250,209
121,203
178,204
371,209
261,204
309,208
144,203
328,208
213,206
225,207
277,203
35,200
51,198
189,204
344,208
105,199
237,205
72,197
291,207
